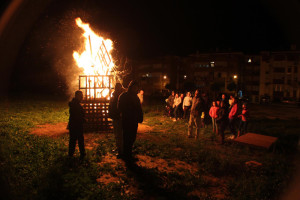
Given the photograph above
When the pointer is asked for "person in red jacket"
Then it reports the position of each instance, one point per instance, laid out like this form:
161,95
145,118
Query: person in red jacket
232,116
244,120
213,113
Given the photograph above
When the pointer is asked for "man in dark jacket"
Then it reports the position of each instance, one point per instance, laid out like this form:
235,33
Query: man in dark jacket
114,114
170,103
225,102
75,125
222,121
131,113
195,116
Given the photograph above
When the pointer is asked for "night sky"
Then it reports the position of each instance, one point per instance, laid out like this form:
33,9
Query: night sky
183,27
153,28
148,29
143,29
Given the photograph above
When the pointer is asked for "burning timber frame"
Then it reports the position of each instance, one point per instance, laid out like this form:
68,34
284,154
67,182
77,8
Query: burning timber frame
95,103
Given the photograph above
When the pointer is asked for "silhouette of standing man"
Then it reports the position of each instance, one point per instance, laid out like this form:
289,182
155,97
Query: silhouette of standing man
114,114
131,113
75,125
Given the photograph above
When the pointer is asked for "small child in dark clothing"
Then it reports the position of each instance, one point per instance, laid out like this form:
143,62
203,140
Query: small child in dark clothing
75,125
244,120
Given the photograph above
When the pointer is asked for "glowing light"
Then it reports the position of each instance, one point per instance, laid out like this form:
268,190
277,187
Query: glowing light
235,76
165,77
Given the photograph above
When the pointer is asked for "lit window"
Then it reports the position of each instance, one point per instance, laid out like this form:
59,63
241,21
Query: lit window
184,76
212,64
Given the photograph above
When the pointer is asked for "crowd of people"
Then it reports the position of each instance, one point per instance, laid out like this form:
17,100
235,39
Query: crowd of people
200,111
125,110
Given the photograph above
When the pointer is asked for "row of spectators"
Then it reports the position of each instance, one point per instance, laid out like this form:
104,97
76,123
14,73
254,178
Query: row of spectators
201,112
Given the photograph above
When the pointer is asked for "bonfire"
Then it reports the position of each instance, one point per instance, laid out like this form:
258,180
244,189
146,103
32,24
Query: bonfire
98,78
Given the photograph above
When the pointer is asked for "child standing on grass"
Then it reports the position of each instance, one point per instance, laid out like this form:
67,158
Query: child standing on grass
75,125
213,113
244,120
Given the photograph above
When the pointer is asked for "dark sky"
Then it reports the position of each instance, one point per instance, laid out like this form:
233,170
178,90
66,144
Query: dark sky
183,27
153,28
147,29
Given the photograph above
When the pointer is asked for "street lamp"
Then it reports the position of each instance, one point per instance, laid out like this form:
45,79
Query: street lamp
165,77
236,84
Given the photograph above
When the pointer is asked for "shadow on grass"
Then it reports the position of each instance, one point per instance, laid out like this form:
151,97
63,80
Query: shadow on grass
156,185
72,178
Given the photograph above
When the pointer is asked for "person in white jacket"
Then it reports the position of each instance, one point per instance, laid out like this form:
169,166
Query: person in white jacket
176,104
186,106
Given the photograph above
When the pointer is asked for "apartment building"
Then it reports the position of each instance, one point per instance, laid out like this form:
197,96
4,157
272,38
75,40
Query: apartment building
155,74
279,75
215,70
251,77
275,74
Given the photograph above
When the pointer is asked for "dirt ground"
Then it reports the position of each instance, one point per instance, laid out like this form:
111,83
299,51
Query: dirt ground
58,130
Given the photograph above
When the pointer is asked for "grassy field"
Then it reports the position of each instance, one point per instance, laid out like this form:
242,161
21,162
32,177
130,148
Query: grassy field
171,166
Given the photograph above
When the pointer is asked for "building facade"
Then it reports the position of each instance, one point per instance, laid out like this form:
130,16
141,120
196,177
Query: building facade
279,75
273,74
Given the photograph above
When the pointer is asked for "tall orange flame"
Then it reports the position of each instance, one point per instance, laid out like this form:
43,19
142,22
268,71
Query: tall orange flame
95,59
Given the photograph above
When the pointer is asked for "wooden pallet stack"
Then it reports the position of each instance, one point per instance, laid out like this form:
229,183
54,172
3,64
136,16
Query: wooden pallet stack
97,90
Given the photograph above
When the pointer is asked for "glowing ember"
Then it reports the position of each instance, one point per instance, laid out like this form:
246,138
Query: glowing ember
95,59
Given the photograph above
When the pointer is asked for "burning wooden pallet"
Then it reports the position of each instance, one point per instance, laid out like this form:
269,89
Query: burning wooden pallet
97,90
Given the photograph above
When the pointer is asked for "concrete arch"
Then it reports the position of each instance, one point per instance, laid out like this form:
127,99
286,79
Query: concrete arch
15,24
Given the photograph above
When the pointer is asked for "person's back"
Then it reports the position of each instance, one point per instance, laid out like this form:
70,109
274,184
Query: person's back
131,113
130,108
76,111
113,103
75,125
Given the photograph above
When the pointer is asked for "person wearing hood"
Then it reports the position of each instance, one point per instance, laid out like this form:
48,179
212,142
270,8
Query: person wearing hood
75,126
131,114
114,114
